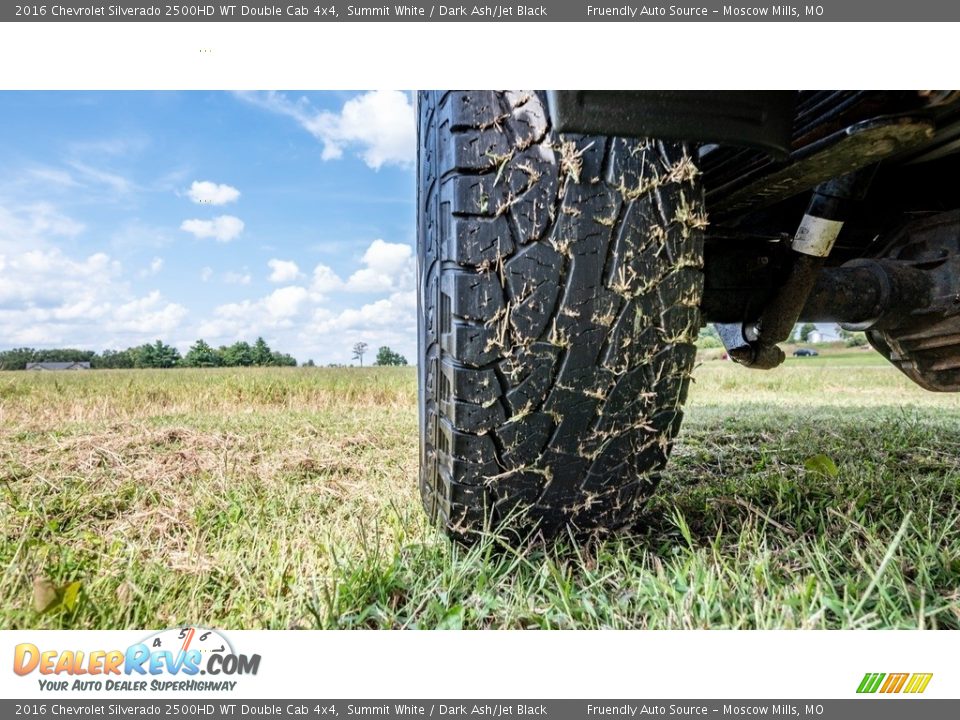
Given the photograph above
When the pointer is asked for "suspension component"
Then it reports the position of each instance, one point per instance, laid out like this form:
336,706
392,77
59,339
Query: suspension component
755,345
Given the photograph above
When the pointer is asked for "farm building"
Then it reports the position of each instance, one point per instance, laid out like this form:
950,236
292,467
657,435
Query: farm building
58,366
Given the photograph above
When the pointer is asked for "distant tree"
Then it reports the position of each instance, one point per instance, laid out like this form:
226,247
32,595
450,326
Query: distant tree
359,350
157,355
115,359
64,355
143,356
310,363
856,339
154,355
165,356
386,356
260,354
708,338
201,354
278,359
805,331
17,358
240,354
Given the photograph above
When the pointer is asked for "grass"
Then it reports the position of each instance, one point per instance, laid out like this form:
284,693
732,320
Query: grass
287,498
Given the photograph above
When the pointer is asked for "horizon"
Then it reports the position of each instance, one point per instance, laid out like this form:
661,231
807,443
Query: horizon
127,216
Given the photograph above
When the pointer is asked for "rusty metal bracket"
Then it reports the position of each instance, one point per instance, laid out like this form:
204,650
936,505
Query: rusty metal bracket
855,147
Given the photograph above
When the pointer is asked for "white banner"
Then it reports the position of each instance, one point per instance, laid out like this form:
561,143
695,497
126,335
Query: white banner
486,664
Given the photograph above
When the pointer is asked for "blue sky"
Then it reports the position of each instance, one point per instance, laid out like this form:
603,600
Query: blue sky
131,216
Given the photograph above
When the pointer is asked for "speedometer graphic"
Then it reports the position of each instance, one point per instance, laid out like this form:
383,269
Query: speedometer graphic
183,639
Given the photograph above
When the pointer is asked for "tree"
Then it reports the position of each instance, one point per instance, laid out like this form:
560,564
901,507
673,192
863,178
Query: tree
240,354
358,351
154,355
260,354
201,355
157,355
282,360
64,355
115,359
805,331
386,356
708,338
17,358
310,363
165,356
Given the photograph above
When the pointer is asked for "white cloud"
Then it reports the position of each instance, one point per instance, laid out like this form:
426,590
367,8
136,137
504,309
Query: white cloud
390,321
285,302
222,228
283,270
36,275
237,278
34,222
380,125
53,296
156,265
117,183
250,318
49,296
325,280
396,311
148,315
210,193
54,176
387,267
296,319
46,278
116,146
134,235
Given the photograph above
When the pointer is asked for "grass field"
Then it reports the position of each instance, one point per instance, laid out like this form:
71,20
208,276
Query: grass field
822,495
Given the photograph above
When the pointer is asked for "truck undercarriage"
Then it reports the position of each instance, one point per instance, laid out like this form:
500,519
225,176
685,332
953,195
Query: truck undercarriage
866,179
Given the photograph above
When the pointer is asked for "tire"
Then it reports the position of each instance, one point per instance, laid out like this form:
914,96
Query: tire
560,279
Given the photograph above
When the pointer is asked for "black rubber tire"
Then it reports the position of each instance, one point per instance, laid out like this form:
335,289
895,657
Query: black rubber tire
560,280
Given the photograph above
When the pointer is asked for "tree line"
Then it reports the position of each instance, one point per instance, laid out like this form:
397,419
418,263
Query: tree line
160,355
155,355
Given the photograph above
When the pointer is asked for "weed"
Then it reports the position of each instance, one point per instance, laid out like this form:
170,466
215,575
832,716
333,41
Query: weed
822,495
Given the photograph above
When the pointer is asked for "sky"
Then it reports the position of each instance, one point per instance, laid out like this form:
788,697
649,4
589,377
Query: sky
127,217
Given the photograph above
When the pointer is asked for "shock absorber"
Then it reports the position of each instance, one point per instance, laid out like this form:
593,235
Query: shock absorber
812,243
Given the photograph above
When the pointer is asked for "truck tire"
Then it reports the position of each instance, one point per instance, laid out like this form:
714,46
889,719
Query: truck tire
559,282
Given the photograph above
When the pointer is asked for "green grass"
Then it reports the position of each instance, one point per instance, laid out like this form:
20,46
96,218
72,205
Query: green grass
842,358
287,498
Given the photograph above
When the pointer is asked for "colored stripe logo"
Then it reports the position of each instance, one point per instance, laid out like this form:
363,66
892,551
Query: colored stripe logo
913,683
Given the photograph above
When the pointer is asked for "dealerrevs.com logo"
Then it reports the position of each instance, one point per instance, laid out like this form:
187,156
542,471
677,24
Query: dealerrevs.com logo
169,660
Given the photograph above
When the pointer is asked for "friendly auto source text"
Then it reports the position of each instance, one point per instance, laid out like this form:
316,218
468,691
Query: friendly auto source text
632,11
